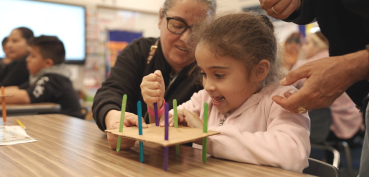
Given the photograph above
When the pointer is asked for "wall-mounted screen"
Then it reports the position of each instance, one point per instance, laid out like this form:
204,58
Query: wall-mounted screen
67,22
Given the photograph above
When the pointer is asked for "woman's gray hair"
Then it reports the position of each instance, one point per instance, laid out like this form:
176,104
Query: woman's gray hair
212,6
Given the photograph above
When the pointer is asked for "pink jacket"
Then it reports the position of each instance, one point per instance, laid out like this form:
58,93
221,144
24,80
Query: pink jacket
259,131
346,118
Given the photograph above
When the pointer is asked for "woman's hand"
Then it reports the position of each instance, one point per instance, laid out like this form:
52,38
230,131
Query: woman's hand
326,80
282,8
112,121
152,89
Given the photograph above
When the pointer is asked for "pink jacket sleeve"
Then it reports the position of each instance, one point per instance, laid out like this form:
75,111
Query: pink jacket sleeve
346,118
285,144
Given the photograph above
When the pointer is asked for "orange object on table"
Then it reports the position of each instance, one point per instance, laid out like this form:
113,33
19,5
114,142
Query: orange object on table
3,103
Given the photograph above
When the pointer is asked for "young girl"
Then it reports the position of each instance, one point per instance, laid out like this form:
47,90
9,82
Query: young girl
237,57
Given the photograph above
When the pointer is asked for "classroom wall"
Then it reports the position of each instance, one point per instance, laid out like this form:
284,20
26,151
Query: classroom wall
108,9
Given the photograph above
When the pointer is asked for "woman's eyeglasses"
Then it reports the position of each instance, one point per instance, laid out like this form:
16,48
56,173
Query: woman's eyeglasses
176,26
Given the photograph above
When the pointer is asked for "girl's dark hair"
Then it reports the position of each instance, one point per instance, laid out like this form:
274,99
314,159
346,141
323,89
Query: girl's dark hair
26,33
245,37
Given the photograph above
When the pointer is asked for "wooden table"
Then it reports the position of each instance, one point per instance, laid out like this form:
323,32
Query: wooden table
31,109
72,147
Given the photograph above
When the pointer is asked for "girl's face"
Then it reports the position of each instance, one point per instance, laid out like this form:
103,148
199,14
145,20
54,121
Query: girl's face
309,48
175,46
225,79
17,46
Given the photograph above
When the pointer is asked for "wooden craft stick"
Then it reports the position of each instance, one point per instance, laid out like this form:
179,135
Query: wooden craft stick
156,114
122,114
3,103
20,124
176,121
166,150
205,130
166,121
139,116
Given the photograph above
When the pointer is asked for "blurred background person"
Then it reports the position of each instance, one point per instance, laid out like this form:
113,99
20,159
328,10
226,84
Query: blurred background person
292,48
16,73
5,60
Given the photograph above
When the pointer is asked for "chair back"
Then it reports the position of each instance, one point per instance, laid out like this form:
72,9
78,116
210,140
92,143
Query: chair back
320,121
322,169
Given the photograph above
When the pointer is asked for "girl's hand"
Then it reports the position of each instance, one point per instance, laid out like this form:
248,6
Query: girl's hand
112,121
152,89
170,121
189,118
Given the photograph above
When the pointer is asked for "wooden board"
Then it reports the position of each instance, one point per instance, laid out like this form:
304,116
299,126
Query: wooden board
155,134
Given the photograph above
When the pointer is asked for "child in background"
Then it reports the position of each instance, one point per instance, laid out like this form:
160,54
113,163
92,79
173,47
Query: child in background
6,60
237,57
49,79
292,48
15,73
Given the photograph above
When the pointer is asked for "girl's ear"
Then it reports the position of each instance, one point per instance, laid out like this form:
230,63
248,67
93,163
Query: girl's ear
261,70
160,17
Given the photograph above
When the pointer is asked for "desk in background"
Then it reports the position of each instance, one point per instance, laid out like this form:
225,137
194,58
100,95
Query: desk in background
69,146
31,109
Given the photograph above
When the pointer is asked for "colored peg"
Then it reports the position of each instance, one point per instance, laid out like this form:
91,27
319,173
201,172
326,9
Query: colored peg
205,130
122,114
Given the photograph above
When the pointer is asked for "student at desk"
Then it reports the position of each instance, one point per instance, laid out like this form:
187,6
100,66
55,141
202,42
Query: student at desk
6,60
49,79
15,73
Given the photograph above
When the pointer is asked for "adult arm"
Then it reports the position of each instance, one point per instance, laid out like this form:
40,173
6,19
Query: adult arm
20,96
326,80
125,78
360,7
16,75
297,11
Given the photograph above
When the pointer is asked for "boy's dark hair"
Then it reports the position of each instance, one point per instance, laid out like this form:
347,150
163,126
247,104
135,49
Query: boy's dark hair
4,41
50,47
26,33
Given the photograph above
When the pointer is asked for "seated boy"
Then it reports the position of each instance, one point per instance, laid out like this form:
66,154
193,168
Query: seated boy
49,79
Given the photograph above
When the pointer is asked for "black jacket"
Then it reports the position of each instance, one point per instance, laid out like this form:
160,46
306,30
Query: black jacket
126,77
55,88
345,23
15,73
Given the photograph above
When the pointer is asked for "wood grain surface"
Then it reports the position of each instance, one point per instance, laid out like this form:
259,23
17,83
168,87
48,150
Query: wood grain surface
69,146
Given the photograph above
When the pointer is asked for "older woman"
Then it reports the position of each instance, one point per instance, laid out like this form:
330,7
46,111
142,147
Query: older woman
174,56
